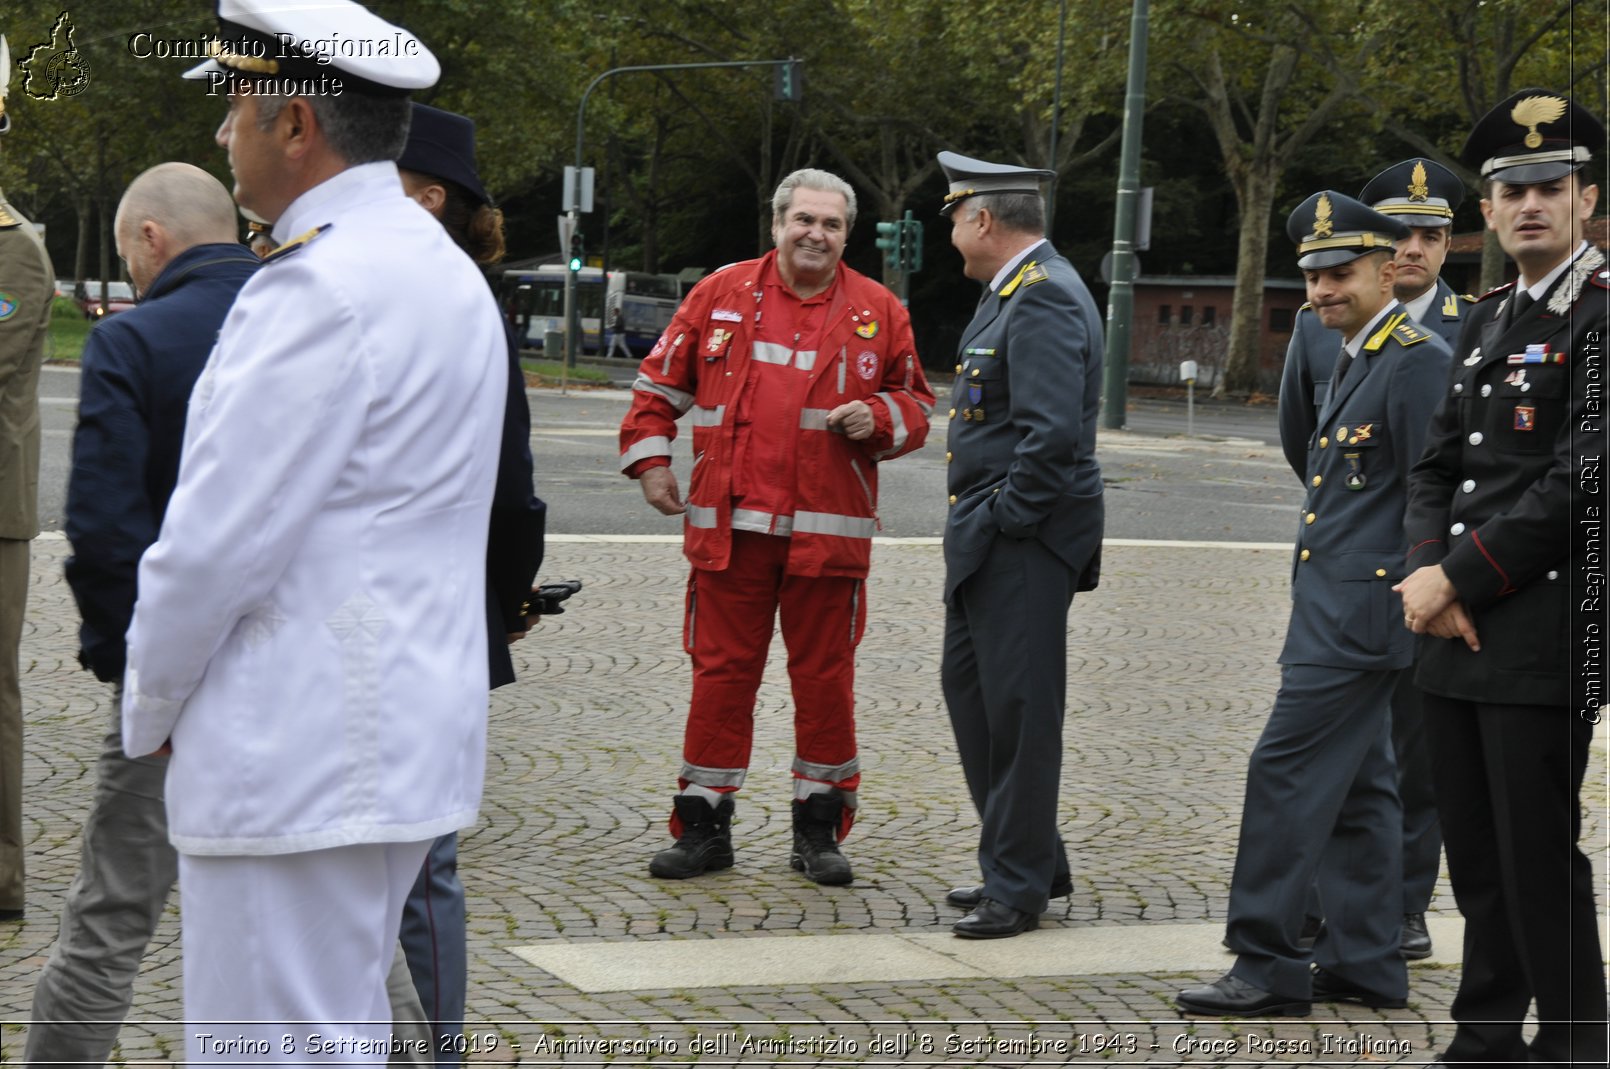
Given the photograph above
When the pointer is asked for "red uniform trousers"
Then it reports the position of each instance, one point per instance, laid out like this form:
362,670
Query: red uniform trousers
727,632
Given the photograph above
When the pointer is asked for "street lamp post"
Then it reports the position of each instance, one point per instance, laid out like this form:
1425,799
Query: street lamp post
1121,297
788,84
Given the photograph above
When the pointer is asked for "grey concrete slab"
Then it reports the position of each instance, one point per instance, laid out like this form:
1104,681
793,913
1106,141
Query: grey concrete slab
856,959
822,959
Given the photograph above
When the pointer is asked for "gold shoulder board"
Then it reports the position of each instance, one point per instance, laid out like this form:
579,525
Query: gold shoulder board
1378,339
298,242
1018,279
1409,334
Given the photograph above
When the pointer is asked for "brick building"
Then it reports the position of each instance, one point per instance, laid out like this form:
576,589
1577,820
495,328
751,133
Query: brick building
1187,317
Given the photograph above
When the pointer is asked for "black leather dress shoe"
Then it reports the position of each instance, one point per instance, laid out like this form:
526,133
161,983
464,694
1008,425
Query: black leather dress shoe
994,920
1328,987
969,897
1231,996
1415,941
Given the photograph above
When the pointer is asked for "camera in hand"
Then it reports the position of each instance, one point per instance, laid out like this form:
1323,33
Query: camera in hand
549,598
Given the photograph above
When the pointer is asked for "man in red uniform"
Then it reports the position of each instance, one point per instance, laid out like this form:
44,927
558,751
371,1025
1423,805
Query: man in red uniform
802,375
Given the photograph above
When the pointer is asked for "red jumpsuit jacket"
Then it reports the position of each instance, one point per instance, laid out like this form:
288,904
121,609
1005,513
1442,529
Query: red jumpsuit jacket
701,362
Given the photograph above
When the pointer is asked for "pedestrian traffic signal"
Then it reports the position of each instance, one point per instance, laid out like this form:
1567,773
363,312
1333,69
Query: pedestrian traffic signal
889,237
576,257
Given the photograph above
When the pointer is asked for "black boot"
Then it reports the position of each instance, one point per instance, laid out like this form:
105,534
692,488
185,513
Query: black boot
816,843
706,842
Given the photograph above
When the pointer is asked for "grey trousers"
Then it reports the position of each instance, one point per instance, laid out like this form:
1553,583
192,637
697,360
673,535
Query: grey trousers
1321,804
126,871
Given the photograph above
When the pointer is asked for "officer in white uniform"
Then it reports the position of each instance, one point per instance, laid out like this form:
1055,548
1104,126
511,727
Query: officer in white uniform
310,635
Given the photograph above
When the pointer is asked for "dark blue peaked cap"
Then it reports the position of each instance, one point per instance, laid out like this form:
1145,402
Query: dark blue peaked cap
1418,191
1331,228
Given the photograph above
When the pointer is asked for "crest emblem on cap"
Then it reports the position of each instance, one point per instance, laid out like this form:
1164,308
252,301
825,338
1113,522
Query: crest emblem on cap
1534,111
1419,190
1322,222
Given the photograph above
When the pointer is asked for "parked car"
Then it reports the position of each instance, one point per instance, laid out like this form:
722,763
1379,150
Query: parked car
119,298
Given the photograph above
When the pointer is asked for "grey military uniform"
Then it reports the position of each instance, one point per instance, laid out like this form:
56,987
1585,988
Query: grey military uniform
1311,358
1304,387
1023,534
1321,798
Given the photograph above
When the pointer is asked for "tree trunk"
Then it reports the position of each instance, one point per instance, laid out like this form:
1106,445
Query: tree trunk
82,206
1492,263
1252,254
650,221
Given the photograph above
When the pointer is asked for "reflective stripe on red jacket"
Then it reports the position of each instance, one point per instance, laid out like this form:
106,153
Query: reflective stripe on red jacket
702,360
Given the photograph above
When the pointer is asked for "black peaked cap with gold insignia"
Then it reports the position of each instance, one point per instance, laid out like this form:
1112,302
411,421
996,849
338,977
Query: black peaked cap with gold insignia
1420,192
969,177
304,40
1535,136
1331,228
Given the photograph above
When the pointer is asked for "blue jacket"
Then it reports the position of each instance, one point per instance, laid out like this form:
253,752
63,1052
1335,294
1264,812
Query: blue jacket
1350,540
1022,461
137,371
1311,357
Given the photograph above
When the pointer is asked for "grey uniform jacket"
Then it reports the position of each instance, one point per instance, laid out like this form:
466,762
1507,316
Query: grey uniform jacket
1022,436
1350,539
1311,357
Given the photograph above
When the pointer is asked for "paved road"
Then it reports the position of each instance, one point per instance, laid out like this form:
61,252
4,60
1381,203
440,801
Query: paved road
1171,675
1163,484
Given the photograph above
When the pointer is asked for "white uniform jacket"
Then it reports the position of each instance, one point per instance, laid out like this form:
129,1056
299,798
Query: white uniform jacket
311,623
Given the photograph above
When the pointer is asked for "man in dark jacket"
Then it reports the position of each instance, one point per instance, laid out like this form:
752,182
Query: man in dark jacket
1321,797
1505,523
1023,533
176,229
1423,195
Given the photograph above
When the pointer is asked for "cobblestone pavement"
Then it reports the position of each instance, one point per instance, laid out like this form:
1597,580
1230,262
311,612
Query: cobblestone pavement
1172,671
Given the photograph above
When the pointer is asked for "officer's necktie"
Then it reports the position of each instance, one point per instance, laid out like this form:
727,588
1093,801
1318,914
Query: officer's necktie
1343,362
1518,306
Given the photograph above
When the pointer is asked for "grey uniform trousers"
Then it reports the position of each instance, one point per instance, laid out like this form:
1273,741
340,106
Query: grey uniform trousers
1321,805
1005,673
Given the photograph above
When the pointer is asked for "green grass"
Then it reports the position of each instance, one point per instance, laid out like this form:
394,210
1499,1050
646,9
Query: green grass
548,373
68,330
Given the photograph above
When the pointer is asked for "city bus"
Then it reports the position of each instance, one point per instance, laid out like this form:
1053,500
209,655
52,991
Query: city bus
533,301
622,313
637,309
